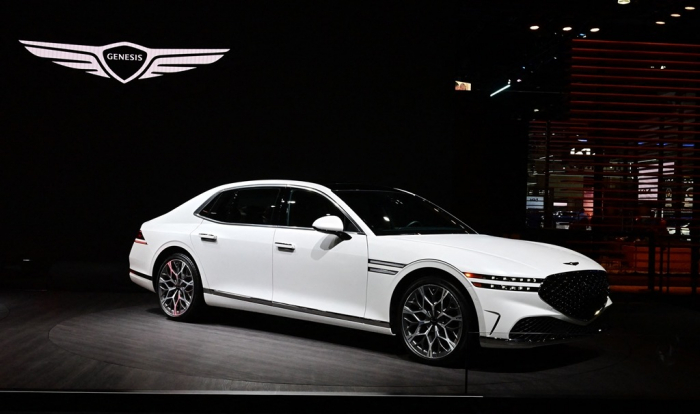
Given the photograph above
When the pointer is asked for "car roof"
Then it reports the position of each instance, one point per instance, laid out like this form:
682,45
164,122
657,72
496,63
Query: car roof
357,187
345,186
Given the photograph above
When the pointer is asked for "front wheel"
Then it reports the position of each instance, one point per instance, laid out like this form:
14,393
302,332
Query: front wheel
180,288
432,320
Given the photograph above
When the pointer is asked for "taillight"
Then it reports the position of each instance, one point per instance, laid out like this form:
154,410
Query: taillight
140,239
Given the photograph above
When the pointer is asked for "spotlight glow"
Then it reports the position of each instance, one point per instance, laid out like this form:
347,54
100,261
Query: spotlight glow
660,22
690,8
595,29
675,15
566,29
623,1
534,27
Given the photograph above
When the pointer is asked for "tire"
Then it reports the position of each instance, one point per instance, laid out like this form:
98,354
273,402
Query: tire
179,288
432,321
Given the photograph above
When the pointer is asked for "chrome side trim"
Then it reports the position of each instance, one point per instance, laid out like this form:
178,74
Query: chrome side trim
383,263
383,271
300,309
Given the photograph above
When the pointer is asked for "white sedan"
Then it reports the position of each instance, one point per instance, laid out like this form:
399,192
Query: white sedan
365,257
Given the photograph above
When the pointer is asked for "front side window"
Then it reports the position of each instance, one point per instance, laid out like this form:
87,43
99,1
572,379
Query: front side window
243,206
304,207
393,212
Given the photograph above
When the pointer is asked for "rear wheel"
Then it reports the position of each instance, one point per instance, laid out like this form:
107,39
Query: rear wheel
179,288
432,319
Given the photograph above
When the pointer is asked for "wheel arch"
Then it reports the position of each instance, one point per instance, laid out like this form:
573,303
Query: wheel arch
433,268
165,252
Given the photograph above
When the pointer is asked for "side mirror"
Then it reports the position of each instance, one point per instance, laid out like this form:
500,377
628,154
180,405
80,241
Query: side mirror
331,225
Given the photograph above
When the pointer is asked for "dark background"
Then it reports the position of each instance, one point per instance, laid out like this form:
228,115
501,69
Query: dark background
317,91
321,91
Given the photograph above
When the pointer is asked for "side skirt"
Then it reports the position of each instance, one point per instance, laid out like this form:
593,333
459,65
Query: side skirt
228,300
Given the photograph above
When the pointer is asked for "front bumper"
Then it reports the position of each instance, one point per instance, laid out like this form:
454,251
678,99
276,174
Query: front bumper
533,332
535,312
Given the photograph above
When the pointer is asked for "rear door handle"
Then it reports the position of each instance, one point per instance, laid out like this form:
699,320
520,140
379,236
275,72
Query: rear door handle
207,237
285,247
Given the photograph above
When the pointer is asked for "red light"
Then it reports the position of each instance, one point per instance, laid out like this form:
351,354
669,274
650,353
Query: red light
140,239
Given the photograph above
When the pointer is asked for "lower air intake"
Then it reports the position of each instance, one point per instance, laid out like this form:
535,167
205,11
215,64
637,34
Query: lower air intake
547,329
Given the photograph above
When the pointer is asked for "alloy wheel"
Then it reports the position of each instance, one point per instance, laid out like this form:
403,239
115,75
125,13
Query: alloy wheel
175,287
432,321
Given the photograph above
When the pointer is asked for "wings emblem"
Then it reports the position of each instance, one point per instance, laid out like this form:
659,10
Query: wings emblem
147,63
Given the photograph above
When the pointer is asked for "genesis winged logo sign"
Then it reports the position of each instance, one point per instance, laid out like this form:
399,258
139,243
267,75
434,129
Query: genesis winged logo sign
124,61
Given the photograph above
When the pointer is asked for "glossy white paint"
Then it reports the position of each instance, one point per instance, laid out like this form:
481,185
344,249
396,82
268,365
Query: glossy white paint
238,260
322,272
328,223
144,283
307,274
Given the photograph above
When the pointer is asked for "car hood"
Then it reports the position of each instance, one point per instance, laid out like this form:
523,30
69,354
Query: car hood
498,256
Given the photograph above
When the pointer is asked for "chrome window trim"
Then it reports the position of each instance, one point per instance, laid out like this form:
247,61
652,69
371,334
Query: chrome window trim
281,187
198,209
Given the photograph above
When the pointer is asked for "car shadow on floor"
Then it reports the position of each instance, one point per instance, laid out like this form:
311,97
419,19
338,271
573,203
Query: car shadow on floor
337,335
484,360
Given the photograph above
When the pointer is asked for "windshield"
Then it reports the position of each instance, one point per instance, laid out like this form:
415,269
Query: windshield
389,212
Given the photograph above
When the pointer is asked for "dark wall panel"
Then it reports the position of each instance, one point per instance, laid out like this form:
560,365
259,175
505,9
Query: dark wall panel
320,91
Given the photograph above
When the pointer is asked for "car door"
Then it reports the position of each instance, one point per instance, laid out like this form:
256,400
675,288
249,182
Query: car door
316,270
234,242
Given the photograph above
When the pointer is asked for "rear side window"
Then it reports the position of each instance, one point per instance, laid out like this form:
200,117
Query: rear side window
243,206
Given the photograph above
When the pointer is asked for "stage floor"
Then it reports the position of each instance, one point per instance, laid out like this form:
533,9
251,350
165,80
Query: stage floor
116,341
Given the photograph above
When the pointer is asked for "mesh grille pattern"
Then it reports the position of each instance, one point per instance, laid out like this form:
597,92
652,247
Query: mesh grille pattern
578,295
545,329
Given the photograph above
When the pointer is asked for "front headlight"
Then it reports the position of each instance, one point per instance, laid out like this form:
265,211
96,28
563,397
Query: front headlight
510,283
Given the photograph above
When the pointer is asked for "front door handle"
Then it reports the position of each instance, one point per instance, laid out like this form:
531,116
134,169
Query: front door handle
285,247
207,237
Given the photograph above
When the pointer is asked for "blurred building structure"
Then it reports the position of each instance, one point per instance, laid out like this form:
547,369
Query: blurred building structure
621,166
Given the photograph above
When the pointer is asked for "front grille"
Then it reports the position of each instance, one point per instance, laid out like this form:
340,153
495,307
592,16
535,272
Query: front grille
546,329
578,295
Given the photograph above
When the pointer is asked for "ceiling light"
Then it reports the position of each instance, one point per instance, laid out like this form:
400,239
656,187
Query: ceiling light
534,27
595,29
675,15
690,8
566,29
623,1
660,22
500,90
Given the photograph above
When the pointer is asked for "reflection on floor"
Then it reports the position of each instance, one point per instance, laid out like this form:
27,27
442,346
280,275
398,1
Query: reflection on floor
116,339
